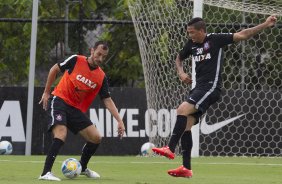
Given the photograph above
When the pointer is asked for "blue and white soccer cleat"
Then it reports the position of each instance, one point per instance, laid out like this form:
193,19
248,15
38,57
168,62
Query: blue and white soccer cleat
90,174
49,176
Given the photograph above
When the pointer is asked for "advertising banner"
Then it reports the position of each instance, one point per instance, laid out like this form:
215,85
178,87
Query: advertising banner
236,125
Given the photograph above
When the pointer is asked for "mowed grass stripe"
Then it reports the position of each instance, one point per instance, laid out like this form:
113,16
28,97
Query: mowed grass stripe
272,161
148,170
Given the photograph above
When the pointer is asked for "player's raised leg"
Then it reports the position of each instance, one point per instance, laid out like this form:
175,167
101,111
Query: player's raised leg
181,121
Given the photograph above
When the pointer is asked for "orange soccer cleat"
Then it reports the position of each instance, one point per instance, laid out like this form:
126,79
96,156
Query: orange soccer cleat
181,172
164,151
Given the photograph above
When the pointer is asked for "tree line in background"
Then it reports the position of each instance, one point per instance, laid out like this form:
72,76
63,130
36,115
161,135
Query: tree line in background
123,66
57,39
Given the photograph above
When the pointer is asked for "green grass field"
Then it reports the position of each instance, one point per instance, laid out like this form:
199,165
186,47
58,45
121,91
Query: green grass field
143,170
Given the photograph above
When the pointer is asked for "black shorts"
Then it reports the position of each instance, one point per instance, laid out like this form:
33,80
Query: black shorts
203,99
64,114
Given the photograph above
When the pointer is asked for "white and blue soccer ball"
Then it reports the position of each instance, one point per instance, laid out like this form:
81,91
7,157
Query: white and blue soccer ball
146,149
71,168
6,148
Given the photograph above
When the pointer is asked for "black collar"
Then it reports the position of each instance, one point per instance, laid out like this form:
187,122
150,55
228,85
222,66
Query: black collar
91,67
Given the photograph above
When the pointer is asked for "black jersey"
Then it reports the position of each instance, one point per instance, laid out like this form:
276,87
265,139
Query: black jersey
208,58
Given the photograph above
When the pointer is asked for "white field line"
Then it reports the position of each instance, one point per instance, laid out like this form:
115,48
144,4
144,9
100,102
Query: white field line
214,163
110,162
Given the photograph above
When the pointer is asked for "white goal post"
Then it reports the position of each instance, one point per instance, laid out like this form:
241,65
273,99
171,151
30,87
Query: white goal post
251,95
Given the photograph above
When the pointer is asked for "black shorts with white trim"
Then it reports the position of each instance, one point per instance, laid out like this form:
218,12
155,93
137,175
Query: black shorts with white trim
63,114
203,99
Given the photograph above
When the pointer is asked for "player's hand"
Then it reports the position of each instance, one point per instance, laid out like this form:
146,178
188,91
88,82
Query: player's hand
44,100
120,129
185,78
271,20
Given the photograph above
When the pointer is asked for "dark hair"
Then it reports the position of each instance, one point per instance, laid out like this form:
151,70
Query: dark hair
105,45
198,23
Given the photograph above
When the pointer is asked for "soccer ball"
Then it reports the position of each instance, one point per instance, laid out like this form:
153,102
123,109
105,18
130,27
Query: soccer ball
146,149
71,168
6,148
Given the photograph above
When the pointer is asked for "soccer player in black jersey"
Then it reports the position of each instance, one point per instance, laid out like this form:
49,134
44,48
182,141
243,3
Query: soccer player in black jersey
206,50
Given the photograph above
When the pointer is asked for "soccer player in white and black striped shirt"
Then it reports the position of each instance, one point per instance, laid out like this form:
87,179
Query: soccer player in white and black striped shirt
206,50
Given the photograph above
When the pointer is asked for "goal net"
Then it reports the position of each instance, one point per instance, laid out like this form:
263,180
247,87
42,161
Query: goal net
251,94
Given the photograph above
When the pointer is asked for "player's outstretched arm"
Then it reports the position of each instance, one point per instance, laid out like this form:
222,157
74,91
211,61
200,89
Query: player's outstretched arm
248,33
110,105
51,78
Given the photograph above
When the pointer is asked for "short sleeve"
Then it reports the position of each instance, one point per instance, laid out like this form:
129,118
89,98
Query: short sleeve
68,64
104,91
186,51
223,39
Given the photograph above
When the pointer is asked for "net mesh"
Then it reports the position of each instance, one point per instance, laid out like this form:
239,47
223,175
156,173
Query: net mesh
160,29
251,6
251,75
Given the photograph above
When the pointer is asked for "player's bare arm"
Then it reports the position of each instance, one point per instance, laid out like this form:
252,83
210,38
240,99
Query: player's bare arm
50,79
248,33
182,75
110,105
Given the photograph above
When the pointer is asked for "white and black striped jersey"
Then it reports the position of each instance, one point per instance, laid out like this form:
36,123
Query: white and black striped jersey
208,57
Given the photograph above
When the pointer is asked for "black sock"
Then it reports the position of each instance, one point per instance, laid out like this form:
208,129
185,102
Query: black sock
178,130
186,144
51,155
87,151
